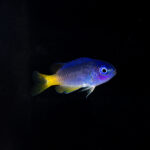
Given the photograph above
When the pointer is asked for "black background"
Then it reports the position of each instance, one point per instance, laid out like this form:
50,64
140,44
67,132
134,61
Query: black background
35,34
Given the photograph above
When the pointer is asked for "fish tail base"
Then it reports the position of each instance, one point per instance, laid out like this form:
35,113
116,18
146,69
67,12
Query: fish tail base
42,82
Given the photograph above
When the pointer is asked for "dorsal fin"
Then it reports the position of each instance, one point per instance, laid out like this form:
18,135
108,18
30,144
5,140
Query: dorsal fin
55,67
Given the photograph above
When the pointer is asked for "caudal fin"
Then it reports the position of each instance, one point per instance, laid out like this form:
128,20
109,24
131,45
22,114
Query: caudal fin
42,82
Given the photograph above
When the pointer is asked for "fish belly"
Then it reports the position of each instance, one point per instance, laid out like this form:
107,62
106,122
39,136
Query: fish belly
74,79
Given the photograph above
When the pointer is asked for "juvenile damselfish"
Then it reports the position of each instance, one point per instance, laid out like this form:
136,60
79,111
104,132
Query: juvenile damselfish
82,73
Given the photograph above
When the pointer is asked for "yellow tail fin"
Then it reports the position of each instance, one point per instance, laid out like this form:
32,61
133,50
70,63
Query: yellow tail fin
43,82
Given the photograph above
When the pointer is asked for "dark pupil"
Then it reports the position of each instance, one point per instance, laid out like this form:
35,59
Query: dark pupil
104,70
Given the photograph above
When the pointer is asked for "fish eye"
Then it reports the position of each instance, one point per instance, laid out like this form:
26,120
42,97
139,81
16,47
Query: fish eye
103,70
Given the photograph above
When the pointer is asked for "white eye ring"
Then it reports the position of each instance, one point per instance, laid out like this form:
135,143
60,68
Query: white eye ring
103,70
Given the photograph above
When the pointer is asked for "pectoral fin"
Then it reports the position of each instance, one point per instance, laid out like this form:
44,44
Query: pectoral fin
66,89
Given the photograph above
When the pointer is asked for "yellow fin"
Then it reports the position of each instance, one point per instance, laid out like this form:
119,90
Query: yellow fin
43,82
66,89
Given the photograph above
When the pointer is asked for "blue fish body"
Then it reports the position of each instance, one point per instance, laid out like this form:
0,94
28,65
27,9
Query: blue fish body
85,72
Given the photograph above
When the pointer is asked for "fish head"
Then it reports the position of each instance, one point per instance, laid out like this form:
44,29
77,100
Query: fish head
104,71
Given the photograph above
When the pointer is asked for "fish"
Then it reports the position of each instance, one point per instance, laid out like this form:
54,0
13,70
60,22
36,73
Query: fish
82,73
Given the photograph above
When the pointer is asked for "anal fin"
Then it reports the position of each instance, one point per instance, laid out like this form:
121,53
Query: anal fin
66,89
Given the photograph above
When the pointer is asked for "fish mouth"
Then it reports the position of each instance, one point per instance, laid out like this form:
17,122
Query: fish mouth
114,72
112,75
